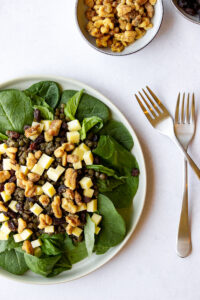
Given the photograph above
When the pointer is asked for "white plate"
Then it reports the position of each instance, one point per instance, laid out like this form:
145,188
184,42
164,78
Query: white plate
88,265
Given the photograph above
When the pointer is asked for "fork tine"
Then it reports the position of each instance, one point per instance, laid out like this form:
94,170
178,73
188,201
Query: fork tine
188,109
193,108
144,109
182,109
177,110
160,105
150,108
153,104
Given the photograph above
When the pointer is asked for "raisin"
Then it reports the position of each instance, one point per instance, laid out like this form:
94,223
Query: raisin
1,187
62,189
57,221
86,199
33,146
13,134
39,139
135,172
12,179
37,115
12,225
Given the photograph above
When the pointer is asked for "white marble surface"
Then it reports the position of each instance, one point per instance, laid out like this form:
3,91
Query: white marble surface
40,37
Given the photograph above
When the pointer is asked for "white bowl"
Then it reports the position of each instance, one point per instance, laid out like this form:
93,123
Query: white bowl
136,46
92,263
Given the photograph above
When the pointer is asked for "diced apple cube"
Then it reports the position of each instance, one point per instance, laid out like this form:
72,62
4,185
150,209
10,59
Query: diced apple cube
24,169
17,238
77,231
3,148
49,229
83,147
73,137
77,165
92,205
36,243
96,218
5,196
41,126
26,234
74,125
97,229
6,164
4,236
36,209
54,174
38,169
86,183
5,228
48,137
12,206
3,218
46,124
48,189
88,193
82,207
45,161
39,190
88,158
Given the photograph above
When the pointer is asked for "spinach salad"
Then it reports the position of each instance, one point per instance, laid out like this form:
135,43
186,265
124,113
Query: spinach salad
66,173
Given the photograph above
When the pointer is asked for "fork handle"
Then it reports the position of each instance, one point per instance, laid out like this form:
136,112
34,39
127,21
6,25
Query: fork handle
184,244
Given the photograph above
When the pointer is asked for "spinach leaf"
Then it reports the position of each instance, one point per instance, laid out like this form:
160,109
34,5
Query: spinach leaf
72,105
102,169
8,244
75,253
89,106
62,265
41,265
122,196
89,123
89,231
48,90
3,137
46,113
113,226
119,132
52,244
13,262
109,184
15,111
115,155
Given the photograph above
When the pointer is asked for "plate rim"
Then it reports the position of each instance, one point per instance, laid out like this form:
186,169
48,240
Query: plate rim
16,80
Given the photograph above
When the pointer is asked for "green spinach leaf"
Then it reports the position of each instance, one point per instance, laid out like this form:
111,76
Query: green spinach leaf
89,123
72,105
8,244
46,113
13,262
75,253
113,226
119,132
89,106
109,184
15,111
3,137
52,244
89,233
62,265
48,90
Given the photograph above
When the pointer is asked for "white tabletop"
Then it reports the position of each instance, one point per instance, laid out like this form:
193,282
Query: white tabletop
40,37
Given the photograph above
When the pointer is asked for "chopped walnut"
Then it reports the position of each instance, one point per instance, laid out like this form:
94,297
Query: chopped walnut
149,9
31,131
38,154
30,189
21,225
69,194
78,198
56,207
44,200
21,184
11,152
20,175
54,127
89,3
69,229
70,178
4,175
64,159
73,220
27,247
3,208
69,206
72,158
31,161
9,188
44,220
59,152
33,177
68,146
141,2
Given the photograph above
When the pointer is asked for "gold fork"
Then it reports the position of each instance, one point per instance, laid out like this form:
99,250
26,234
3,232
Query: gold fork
161,120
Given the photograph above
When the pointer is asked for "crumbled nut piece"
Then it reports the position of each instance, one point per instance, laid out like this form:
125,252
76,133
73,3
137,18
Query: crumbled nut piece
54,127
149,9
73,220
30,188
13,165
21,184
152,2
3,207
123,10
127,36
59,152
64,159
78,198
21,225
117,46
69,229
33,177
69,194
44,200
4,175
20,175
9,188
89,3
11,152
141,2
27,247
31,161
68,146
72,158
69,206
56,207
38,154
31,131
70,178
44,220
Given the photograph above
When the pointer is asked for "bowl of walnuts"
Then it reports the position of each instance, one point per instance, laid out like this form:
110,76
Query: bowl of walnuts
119,27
